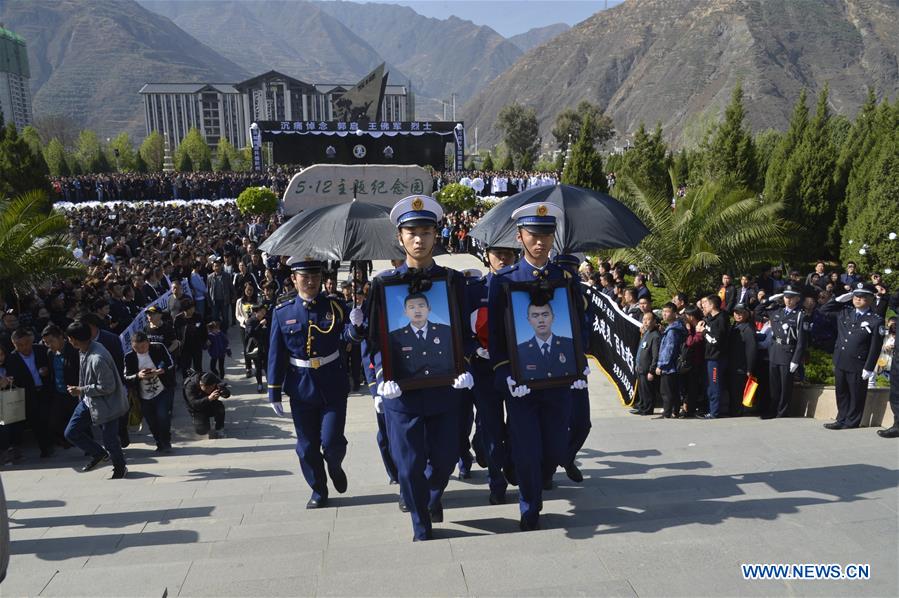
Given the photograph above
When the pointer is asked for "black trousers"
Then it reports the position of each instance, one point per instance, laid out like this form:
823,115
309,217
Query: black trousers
694,381
354,364
61,408
191,358
780,384
736,382
213,409
851,391
37,413
217,366
669,387
647,391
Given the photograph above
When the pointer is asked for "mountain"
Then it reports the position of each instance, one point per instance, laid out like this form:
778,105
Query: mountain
89,59
443,56
296,38
677,62
538,36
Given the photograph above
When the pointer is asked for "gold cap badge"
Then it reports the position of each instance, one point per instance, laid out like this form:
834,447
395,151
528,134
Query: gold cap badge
417,204
541,210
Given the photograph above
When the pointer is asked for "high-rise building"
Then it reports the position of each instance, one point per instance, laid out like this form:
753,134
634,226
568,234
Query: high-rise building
227,110
15,94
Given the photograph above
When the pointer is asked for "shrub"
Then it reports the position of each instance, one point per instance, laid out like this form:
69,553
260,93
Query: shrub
457,197
257,200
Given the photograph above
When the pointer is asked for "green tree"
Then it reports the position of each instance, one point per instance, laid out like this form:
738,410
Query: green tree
584,169
712,229
139,164
196,147
646,163
765,144
55,156
519,126
33,243
126,159
570,120
20,169
730,154
225,155
776,178
257,200
457,197
32,140
183,163
857,156
507,163
152,150
88,151
100,163
488,162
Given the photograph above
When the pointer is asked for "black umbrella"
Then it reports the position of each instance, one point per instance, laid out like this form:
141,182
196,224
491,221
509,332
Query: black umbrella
592,221
349,231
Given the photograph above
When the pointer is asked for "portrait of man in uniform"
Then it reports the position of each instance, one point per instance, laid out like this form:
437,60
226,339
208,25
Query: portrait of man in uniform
545,347
421,337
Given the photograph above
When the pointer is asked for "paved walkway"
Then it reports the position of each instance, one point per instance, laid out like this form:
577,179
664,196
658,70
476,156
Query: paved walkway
669,508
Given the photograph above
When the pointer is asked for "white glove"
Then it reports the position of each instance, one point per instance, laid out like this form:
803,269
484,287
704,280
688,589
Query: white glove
483,353
867,375
515,390
793,367
389,390
775,297
845,297
356,316
578,385
379,402
463,381
587,370
278,408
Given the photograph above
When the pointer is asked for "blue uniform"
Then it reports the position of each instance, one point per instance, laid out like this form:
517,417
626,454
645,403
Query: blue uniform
538,422
490,429
383,444
422,425
305,363
558,361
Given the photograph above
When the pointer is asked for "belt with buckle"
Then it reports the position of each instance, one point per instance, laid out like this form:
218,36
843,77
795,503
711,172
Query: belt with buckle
784,343
315,362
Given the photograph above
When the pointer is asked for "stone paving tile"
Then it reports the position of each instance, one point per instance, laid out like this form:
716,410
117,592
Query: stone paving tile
431,579
158,579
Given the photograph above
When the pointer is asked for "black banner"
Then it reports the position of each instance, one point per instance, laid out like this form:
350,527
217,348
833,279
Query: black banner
614,338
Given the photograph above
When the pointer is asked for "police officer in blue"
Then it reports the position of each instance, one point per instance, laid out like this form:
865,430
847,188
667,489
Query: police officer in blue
490,428
579,425
423,424
545,355
859,339
538,419
789,331
307,331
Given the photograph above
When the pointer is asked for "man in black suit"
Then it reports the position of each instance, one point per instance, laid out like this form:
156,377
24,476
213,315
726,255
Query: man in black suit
29,368
421,348
728,293
545,355
63,362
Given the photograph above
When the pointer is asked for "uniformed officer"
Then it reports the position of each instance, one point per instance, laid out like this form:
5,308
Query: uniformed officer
307,331
859,338
893,431
579,425
789,331
424,347
545,355
490,428
423,424
538,420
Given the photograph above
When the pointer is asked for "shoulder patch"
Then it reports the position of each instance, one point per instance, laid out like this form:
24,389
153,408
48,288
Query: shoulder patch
285,303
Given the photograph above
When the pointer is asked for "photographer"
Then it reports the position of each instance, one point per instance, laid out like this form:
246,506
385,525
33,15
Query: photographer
202,393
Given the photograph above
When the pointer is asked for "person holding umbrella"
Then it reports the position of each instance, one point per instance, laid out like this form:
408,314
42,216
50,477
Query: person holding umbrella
422,425
307,331
538,419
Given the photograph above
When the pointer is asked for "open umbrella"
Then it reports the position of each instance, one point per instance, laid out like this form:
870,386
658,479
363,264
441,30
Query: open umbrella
348,231
592,221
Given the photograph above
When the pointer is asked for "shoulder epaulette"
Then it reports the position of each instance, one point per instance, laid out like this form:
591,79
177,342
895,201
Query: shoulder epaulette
285,300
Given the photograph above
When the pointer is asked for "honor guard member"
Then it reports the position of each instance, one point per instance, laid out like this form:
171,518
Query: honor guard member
307,330
490,429
538,420
579,425
422,425
789,332
859,339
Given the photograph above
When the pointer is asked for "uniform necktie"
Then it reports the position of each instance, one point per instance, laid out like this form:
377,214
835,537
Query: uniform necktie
421,335
545,349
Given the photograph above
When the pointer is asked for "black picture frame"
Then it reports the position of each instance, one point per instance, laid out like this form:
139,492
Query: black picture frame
413,364
567,360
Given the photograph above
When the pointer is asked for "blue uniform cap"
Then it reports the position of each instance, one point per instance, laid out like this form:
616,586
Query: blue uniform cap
538,218
305,264
863,288
416,210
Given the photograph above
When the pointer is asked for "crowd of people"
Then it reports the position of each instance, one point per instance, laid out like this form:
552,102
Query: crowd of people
496,183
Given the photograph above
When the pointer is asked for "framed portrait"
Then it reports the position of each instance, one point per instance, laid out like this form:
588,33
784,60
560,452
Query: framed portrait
543,334
420,339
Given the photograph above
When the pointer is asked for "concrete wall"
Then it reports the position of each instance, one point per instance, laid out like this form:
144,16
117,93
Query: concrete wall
820,402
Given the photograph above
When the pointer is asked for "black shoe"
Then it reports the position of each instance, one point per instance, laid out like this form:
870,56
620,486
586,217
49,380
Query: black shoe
548,484
95,461
317,503
118,474
525,526
497,498
834,426
892,432
428,536
249,374
510,474
404,508
124,442
338,478
634,411
436,514
574,474
464,474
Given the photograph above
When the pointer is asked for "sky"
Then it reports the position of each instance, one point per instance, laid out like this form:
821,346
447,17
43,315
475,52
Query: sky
509,17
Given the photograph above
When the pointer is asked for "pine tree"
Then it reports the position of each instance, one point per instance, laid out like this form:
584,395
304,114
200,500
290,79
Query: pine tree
152,150
122,143
139,164
731,154
194,144
488,162
507,163
646,163
88,150
183,163
776,177
584,168
20,170
55,156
